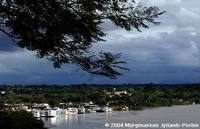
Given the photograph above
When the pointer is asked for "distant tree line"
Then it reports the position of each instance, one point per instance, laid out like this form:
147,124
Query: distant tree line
136,97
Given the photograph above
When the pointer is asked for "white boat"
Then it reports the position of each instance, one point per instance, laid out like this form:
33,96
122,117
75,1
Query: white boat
36,113
81,110
107,109
44,113
72,111
64,111
92,108
53,112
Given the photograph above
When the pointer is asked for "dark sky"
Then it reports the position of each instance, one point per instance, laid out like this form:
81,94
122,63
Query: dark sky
169,53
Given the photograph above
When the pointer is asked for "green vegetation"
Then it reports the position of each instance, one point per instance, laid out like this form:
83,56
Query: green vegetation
135,97
117,96
19,120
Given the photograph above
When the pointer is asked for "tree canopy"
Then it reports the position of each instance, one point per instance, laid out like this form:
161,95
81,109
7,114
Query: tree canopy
19,120
64,30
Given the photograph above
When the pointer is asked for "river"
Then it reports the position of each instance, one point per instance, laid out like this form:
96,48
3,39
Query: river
176,117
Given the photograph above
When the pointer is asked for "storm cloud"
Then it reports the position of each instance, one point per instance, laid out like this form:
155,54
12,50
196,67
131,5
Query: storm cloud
168,53
6,44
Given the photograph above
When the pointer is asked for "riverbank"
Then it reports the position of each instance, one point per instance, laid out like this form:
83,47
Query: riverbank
120,97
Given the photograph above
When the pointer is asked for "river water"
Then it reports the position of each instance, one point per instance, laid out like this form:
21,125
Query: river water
176,117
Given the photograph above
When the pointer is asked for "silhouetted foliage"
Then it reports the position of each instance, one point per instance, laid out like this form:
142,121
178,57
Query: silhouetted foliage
65,30
1,105
19,120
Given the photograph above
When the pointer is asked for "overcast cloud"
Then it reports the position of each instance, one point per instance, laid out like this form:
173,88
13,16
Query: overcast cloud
168,53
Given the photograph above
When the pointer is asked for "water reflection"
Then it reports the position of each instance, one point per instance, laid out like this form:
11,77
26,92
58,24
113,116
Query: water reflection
176,114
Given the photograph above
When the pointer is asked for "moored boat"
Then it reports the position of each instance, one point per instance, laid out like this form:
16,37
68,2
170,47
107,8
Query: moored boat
105,109
44,113
72,111
53,112
81,110
36,113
